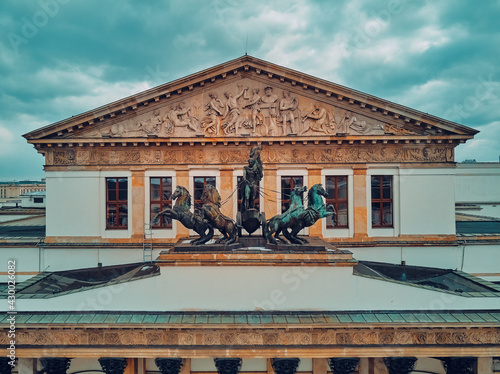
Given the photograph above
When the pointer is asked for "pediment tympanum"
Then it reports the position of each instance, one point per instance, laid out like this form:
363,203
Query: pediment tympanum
246,108
250,99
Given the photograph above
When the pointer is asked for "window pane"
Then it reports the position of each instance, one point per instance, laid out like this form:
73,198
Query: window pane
387,187
298,181
166,188
111,195
387,215
375,214
155,189
285,183
122,195
155,209
375,188
111,183
342,215
210,180
111,214
330,187
123,215
122,182
342,187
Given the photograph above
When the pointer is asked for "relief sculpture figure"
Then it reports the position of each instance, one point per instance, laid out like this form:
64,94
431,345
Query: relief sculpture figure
269,107
289,113
211,124
232,116
254,104
179,116
316,120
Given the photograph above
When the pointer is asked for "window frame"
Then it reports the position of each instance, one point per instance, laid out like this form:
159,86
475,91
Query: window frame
381,201
116,203
336,200
162,202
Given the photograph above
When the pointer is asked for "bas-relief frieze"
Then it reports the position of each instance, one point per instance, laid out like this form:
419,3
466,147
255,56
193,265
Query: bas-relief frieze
257,337
246,108
233,155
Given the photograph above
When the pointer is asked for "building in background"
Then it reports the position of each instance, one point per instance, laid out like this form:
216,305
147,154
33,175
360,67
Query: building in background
395,285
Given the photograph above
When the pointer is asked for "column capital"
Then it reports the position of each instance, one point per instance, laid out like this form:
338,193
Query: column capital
343,365
55,365
400,365
169,365
113,365
285,365
227,365
5,367
459,365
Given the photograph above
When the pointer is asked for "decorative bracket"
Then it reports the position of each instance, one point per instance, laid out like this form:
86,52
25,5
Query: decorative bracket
113,365
400,365
169,365
55,365
343,365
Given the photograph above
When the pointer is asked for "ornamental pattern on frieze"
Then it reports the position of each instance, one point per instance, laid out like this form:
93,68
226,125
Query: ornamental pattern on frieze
233,155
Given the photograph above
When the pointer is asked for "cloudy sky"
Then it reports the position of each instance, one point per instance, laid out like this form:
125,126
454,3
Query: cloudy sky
59,58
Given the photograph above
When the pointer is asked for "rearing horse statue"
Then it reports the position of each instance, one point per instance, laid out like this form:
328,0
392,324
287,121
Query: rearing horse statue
281,222
316,209
181,213
211,212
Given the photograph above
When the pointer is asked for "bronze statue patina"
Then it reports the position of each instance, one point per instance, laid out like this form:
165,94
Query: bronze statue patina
316,209
181,213
211,212
252,175
281,222
249,217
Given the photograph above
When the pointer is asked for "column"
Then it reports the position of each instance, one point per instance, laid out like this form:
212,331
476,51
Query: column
113,365
270,188
360,203
182,177
226,189
485,365
55,365
400,365
285,365
136,216
459,365
227,365
343,365
169,365
314,177
5,367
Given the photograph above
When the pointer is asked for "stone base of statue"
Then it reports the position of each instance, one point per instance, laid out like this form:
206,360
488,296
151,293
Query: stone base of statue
313,244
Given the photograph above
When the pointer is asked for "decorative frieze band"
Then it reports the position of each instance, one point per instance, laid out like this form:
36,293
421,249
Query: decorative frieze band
232,155
34,337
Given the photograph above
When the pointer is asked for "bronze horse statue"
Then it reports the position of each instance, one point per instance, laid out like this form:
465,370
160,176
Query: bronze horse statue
281,222
181,213
316,209
211,212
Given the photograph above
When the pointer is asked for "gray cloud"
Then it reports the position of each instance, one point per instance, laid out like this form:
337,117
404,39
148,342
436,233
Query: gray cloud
62,57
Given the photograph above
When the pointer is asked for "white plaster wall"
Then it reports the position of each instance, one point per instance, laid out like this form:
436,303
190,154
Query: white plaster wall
478,182
73,203
427,202
479,260
258,288
26,258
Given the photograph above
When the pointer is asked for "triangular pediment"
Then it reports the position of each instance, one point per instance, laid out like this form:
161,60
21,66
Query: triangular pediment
249,98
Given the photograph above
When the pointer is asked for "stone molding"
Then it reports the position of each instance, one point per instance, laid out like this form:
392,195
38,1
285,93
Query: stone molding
257,337
319,154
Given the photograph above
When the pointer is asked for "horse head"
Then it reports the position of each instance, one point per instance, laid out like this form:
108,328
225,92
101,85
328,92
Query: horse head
298,190
318,190
182,196
210,194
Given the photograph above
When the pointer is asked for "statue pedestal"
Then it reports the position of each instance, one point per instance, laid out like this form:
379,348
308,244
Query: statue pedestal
253,251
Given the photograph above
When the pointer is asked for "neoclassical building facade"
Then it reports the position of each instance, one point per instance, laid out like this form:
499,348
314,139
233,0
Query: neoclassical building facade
389,290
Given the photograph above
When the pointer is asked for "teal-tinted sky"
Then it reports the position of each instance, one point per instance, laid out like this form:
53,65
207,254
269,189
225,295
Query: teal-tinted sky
59,58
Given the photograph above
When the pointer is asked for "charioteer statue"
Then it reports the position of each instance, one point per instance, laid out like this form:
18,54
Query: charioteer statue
209,217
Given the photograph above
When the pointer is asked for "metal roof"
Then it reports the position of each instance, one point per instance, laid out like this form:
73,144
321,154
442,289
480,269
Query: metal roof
249,319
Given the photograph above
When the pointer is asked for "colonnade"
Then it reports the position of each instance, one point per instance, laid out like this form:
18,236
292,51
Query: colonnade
344,365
